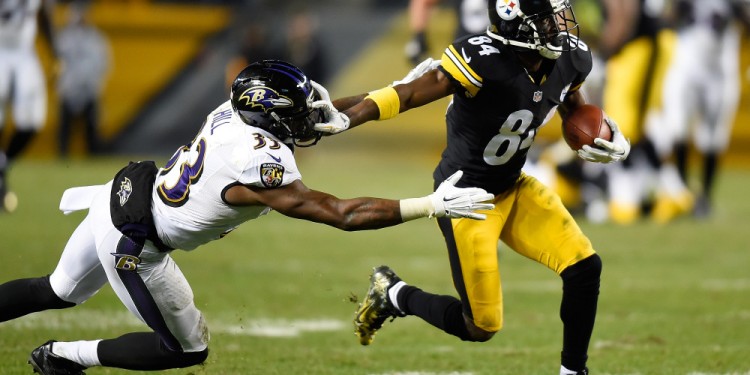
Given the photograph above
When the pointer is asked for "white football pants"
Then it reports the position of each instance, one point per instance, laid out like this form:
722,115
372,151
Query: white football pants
148,282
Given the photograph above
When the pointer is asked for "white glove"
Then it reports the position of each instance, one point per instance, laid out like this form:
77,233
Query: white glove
607,152
449,200
418,71
321,90
336,122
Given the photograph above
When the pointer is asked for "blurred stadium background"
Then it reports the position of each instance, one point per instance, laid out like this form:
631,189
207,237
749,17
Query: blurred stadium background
675,300
171,60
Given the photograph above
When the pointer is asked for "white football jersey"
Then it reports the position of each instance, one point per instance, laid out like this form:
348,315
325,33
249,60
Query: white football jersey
18,20
188,207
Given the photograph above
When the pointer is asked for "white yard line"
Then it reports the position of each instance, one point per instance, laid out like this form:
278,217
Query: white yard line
75,320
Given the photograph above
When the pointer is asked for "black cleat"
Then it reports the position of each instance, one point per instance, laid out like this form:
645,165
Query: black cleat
376,307
45,362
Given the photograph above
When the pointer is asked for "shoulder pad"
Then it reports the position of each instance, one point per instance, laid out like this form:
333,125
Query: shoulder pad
581,58
472,59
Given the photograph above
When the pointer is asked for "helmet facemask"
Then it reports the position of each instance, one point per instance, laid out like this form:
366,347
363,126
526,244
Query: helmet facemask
300,128
551,31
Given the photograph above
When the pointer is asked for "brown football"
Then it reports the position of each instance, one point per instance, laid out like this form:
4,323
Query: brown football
585,124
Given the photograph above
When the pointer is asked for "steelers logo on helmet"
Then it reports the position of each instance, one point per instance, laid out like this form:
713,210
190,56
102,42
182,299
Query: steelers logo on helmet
507,9
265,98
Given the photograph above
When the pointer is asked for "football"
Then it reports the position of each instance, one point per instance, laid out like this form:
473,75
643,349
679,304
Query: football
584,125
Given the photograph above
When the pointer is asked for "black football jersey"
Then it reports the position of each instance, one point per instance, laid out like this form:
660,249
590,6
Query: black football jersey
498,108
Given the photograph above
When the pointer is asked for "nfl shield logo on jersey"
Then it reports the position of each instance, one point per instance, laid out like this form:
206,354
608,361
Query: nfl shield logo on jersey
537,97
271,174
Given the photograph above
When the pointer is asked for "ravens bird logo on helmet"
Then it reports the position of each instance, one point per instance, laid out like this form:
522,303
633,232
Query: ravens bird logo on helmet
265,98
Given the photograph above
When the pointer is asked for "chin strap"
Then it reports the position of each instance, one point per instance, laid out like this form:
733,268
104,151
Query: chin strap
543,50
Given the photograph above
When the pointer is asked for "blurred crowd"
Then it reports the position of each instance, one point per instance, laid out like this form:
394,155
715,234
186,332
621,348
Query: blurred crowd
667,71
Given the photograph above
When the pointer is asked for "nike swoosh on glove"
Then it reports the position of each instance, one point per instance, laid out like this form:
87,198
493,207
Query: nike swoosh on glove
449,200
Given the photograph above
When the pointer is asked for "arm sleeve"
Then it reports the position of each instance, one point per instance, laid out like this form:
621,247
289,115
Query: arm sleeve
454,64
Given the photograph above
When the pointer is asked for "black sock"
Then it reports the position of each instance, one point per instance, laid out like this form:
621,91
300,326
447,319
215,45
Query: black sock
26,296
144,351
443,312
19,141
710,165
578,310
680,157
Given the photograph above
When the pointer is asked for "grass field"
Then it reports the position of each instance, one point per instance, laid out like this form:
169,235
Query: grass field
277,292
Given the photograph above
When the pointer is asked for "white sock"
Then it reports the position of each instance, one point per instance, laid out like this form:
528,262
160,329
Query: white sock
393,294
565,371
81,352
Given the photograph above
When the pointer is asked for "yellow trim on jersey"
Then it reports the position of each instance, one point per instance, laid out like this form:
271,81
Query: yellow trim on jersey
387,101
456,66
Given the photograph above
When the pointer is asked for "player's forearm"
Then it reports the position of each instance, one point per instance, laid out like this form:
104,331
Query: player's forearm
368,213
571,102
342,104
375,213
361,112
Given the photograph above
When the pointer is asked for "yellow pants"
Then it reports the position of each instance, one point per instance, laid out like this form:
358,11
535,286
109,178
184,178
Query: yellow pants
530,219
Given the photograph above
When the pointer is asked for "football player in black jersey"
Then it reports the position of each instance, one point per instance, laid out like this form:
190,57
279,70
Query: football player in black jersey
506,83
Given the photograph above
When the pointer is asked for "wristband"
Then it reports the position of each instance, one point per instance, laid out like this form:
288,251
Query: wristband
387,101
414,208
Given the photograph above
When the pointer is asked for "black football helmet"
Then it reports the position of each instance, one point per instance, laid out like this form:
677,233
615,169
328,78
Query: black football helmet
547,26
277,96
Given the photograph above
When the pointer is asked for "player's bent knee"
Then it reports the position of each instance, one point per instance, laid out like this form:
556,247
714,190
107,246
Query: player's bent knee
477,334
42,288
584,272
67,289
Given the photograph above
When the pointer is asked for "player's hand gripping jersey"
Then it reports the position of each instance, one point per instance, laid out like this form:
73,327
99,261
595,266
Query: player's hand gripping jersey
188,206
499,107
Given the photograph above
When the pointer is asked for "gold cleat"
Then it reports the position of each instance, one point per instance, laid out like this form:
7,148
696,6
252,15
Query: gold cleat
376,307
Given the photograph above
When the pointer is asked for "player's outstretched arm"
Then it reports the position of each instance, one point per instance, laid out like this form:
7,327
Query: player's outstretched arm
298,201
385,103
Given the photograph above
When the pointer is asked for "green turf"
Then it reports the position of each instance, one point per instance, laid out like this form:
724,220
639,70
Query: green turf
674,300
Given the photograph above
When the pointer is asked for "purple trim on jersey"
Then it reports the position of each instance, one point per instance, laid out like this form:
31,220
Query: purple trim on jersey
141,296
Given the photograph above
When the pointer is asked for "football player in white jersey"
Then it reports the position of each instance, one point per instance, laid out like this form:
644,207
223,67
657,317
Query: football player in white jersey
701,90
22,81
239,166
